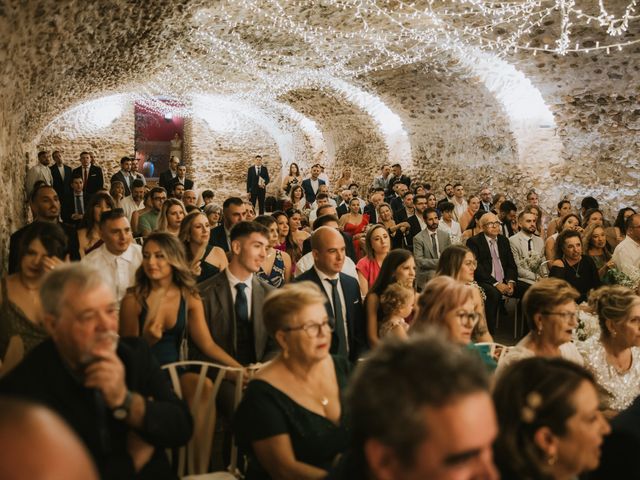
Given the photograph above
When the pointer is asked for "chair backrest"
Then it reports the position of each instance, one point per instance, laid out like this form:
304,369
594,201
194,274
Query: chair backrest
195,457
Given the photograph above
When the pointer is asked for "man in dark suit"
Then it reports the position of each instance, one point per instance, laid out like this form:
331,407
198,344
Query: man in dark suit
257,180
485,199
448,195
233,212
124,175
45,207
371,208
312,184
343,208
62,175
398,177
397,202
343,305
234,323
92,177
416,221
327,213
407,210
74,204
497,271
181,178
166,178
507,216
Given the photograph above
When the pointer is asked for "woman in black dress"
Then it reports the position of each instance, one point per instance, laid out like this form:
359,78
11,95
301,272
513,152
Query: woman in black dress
570,265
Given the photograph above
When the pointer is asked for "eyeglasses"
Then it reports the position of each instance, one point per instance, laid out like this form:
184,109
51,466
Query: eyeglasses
311,329
564,315
467,318
493,224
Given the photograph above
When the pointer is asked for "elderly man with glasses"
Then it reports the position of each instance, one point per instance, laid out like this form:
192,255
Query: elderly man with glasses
497,272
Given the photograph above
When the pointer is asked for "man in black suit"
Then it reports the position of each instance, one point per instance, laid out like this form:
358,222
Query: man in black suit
497,271
407,210
343,305
507,215
181,178
398,177
485,199
233,212
396,202
45,206
448,195
124,175
343,208
371,208
312,184
416,221
92,177
166,178
61,174
257,180
74,204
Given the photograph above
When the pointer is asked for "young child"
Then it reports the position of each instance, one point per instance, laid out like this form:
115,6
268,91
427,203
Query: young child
397,302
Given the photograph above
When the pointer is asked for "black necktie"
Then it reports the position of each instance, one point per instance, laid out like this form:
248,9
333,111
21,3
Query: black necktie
343,348
79,208
241,306
529,244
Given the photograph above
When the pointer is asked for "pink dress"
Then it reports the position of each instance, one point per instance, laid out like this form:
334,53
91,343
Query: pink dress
369,269
354,230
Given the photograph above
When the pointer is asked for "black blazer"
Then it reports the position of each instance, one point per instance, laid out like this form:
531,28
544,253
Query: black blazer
119,177
218,238
414,230
309,194
188,184
43,377
354,314
67,207
95,179
73,250
348,246
165,180
370,210
480,248
396,203
62,187
342,209
401,179
252,178
621,446
400,215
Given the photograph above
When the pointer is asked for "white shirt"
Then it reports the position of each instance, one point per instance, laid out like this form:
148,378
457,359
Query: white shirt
421,221
119,271
459,208
61,170
233,281
306,262
453,230
328,288
36,173
626,256
315,184
129,206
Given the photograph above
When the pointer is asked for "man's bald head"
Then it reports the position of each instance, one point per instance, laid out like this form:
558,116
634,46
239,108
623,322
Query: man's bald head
328,247
38,445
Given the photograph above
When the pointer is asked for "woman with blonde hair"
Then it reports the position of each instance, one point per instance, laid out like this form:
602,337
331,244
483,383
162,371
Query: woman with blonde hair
205,260
171,215
614,357
291,421
552,314
473,205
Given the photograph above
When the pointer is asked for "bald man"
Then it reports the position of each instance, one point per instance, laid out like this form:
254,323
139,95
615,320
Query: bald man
344,305
38,445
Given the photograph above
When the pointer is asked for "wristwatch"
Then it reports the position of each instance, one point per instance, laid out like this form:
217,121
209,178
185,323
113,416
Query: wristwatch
122,412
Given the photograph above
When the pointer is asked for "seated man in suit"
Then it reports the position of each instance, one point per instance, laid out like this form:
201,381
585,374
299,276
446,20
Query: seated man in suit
497,272
124,175
524,244
233,211
344,304
396,201
110,391
407,210
343,208
507,215
375,200
416,221
312,184
167,177
427,247
92,177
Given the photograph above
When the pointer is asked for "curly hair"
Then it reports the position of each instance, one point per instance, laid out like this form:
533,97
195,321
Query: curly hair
395,297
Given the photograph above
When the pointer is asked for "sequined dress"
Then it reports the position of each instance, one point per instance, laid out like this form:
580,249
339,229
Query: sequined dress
620,388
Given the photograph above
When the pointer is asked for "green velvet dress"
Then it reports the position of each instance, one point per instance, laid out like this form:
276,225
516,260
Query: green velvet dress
266,412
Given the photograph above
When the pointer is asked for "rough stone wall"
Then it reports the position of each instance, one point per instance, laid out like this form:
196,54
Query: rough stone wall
108,144
220,161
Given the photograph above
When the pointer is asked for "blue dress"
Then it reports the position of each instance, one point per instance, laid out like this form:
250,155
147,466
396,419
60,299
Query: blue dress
167,349
276,278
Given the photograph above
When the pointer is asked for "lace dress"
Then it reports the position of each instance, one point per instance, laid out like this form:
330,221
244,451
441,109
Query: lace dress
620,388
386,327
13,321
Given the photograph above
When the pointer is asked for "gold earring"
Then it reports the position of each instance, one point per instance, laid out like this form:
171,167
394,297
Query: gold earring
551,461
285,353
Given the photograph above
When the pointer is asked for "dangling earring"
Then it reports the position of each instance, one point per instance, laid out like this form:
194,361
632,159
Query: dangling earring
539,331
285,353
551,461
613,333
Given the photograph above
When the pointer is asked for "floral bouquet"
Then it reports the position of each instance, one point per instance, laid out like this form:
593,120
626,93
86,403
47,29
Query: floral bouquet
630,280
533,262
588,326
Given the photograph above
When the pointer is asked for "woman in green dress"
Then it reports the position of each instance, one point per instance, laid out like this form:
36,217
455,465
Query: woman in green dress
290,420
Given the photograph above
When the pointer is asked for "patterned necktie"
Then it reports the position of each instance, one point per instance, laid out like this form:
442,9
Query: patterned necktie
497,266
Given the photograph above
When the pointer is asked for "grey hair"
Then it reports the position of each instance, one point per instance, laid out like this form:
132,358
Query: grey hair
403,377
54,284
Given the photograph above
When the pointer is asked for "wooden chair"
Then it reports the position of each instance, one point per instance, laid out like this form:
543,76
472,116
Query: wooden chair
194,459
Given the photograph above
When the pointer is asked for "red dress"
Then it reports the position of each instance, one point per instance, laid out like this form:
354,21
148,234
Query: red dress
354,230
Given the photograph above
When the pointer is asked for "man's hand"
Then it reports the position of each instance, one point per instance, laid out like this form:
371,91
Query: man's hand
107,375
503,288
